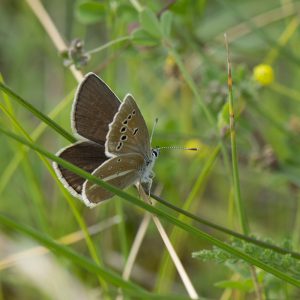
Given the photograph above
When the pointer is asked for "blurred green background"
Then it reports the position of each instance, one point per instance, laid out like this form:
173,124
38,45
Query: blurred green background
267,132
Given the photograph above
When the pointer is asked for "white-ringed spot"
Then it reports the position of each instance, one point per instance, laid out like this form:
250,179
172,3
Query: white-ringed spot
123,129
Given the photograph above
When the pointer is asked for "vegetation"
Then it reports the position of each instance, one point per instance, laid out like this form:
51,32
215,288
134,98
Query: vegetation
229,211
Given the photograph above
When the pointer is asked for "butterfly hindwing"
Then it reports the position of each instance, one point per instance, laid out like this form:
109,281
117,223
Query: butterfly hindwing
121,171
86,155
128,132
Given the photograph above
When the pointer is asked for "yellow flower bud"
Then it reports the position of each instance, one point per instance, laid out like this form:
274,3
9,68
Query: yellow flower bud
263,74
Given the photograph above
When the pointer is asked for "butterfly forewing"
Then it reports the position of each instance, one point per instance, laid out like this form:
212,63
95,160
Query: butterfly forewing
86,155
121,171
94,108
128,132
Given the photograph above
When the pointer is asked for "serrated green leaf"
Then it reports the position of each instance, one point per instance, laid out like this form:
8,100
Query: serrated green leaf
166,22
149,23
142,37
90,12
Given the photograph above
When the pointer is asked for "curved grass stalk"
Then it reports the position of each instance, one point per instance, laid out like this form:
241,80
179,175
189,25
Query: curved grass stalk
68,197
177,236
8,172
154,210
68,239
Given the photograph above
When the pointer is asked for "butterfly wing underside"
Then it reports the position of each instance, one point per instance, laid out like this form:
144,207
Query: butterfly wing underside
85,155
128,132
94,108
121,171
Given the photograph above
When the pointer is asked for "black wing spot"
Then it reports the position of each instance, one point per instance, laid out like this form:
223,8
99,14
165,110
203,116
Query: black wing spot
125,122
123,137
123,129
133,112
129,117
119,146
119,160
135,131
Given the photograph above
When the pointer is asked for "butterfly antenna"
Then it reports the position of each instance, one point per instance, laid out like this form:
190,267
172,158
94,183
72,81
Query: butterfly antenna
153,129
180,148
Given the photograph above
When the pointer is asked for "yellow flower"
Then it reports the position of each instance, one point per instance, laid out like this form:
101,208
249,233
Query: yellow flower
263,74
170,67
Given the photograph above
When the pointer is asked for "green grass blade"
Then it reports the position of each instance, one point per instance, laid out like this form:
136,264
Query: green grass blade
37,113
70,254
177,236
133,200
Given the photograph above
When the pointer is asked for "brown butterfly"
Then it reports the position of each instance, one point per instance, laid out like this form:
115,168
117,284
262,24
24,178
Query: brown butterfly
113,143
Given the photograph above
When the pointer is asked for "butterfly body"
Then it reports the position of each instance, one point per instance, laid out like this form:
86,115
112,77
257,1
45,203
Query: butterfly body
114,143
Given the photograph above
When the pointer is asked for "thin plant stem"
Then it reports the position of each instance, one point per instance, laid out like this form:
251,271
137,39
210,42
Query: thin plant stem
177,236
45,20
36,112
122,228
8,172
109,44
136,245
135,201
192,86
69,199
225,230
285,91
136,5
235,170
181,271
262,20
283,39
68,239
58,41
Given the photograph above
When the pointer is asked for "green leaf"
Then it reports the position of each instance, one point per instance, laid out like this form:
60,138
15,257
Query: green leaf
149,23
90,12
166,22
142,37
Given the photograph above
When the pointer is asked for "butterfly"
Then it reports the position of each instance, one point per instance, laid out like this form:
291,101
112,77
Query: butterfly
113,143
